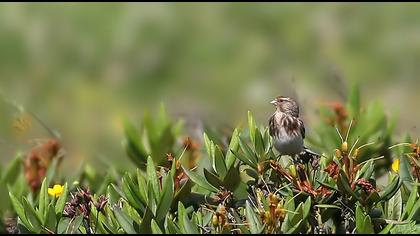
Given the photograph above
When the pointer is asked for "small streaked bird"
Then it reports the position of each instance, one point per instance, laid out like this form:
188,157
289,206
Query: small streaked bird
288,130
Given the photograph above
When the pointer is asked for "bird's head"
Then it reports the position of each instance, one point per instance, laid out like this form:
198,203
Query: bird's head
286,105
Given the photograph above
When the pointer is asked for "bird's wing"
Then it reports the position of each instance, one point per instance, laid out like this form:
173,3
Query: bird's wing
272,126
302,128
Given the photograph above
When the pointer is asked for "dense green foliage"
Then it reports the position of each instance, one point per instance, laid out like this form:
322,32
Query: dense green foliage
360,184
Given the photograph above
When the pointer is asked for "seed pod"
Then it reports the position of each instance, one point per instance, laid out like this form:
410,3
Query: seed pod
267,217
260,168
356,153
277,212
280,213
292,171
344,146
270,196
337,153
215,220
259,195
274,199
222,210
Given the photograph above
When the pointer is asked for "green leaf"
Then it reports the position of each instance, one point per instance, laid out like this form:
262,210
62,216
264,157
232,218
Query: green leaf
363,222
125,221
12,171
61,202
354,100
307,207
151,175
20,211
31,215
386,229
113,194
395,206
50,219
128,195
133,146
245,159
69,226
250,155
172,172
43,199
152,204
141,181
266,139
130,188
132,213
368,225
366,170
232,179
165,200
251,126
259,143
414,210
404,229
171,228
181,213
234,145
373,198
163,145
110,223
327,185
295,227
360,220
219,163
189,227
145,226
344,183
410,202
182,193
391,189
212,179
200,181
404,171
294,219
155,228
254,223
209,146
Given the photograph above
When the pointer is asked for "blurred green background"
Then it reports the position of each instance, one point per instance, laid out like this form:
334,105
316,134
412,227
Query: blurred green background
82,67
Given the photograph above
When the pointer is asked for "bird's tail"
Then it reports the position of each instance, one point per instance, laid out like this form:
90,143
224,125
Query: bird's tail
310,152
308,155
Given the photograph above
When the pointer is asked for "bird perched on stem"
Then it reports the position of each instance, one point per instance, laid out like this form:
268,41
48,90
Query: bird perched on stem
288,130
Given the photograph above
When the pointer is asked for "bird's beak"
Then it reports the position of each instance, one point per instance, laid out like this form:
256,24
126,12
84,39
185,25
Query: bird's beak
273,102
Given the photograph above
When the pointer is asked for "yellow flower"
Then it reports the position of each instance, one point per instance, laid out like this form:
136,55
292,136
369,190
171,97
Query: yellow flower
396,165
56,191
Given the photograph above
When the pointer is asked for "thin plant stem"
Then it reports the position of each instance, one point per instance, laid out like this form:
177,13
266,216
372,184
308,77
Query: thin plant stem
348,130
281,188
341,137
399,144
373,159
366,144
354,145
